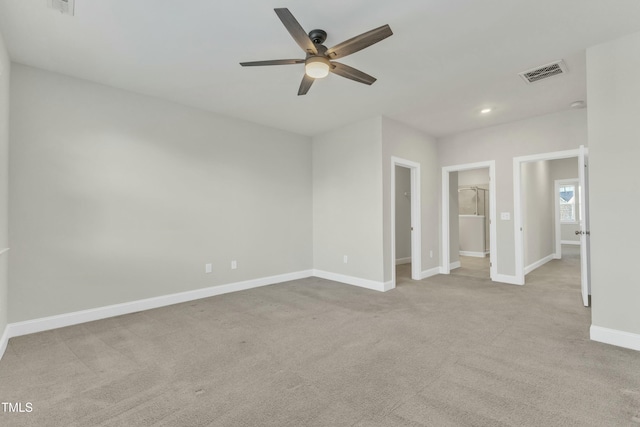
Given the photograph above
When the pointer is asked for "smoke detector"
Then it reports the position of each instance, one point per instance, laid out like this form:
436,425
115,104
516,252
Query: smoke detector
544,71
66,7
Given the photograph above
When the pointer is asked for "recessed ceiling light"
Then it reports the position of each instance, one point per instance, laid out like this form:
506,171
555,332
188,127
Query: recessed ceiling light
485,111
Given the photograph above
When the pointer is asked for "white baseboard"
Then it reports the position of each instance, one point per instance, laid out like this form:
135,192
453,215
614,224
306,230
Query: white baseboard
505,278
403,261
431,272
529,268
68,319
4,340
452,266
474,254
74,318
355,281
570,242
387,286
615,337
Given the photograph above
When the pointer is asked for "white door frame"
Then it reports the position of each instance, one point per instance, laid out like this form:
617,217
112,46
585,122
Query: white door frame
517,202
558,225
416,221
493,247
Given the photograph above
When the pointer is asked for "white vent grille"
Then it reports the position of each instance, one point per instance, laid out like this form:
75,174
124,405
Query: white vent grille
544,71
63,6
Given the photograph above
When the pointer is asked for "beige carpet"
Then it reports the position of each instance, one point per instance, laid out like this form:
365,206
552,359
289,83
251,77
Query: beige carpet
473,267
445,351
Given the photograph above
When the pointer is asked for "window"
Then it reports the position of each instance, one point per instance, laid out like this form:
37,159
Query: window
567,203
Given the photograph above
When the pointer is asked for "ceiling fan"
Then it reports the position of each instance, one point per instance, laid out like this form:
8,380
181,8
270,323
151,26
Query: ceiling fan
319,60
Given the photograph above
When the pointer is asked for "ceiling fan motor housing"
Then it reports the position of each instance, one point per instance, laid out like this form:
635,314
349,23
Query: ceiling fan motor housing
318,36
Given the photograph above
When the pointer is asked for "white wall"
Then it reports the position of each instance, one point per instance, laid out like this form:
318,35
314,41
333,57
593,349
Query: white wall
117,197
347,201
400,140
538,211
553,132
5,70
403,213
614,149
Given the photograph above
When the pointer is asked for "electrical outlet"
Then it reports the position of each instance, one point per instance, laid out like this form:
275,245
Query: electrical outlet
208,268
234,264
345,259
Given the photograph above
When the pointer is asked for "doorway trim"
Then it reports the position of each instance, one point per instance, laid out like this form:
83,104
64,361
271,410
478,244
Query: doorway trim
517,202
446,244
416,219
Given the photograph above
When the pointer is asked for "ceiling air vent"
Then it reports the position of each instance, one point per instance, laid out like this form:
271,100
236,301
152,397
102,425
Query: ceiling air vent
544,71
63,6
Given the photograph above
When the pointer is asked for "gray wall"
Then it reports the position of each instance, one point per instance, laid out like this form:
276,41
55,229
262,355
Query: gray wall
347,200
400,140
537,211
472,233
474,178
116,197
403,213
538,200
553,132
5,69
614,134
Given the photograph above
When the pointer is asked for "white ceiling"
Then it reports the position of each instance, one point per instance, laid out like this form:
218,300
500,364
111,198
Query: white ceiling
446,60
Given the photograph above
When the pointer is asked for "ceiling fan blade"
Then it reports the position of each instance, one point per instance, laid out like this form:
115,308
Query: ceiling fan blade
305,85
296,30
351,73
359,42
272,62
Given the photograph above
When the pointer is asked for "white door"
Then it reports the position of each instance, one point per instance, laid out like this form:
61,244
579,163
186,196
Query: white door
585,249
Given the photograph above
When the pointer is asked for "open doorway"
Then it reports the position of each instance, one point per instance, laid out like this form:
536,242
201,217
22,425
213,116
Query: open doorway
468,220
403,223
567,213
474,241
406,249
551,208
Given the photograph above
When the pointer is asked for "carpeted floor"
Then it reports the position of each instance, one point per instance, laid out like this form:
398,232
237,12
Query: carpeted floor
473,267
445,351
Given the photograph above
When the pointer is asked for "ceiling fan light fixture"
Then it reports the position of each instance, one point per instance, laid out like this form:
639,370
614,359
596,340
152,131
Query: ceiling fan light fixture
317,67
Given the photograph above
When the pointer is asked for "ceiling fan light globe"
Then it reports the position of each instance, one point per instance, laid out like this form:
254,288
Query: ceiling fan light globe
317,67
